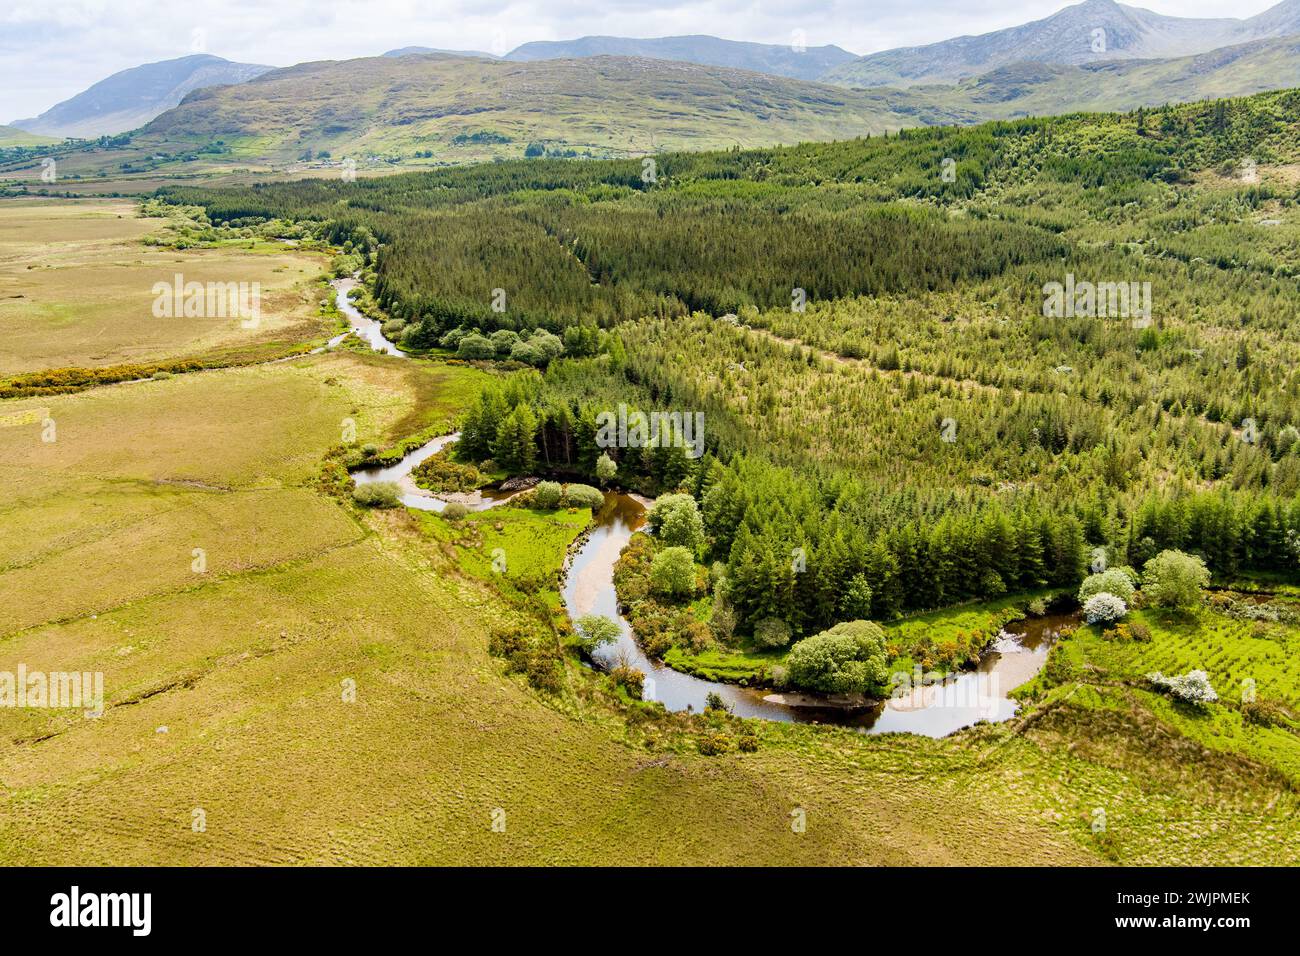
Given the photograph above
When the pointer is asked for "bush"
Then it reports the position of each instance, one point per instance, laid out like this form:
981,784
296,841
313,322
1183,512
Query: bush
1111,581
475,346
848,658
549,345
393,329
747,743
455,511
527,353
547,495
583,496
630,679
378,494
1173,579
672,573
714,745
1192,687
772,632
503,340
438,473
1265,713
451,340
1104,608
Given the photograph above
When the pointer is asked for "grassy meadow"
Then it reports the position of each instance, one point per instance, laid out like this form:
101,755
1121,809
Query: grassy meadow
76,289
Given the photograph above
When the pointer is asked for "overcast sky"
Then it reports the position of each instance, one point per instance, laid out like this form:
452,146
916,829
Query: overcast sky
53,49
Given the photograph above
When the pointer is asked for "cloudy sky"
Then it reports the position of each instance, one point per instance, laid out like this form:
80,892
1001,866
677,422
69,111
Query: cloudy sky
52,49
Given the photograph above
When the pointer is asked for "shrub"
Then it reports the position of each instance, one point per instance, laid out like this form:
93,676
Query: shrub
547,495
527,353
1104,608
475,346
1192,687
1264,713
630,679
451,339
714,701
672,573
1139,632
1174,579
439,473
549,345
747,743
393,329
714,745
1111,581
455,511
503,340
583,496
1036,608
772,632
378,494
847,658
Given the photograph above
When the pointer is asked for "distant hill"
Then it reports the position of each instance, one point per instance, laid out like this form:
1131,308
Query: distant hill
133,97
421,50
1091,32
10,136
778,60
457,109
1036,89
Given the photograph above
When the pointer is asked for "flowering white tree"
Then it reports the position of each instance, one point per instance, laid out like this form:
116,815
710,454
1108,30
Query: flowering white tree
1193,687
1104,608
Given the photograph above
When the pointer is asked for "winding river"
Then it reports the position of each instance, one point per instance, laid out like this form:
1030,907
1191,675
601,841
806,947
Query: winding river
933,710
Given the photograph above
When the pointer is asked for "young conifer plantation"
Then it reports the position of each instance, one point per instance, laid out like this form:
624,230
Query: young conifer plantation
865,327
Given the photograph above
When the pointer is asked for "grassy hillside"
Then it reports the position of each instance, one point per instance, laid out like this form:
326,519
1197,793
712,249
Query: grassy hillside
459,109
1093,31
1035,89
12,136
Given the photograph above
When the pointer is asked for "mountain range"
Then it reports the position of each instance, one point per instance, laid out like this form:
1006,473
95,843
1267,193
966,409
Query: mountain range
464,110
611,96
801,63
1090,32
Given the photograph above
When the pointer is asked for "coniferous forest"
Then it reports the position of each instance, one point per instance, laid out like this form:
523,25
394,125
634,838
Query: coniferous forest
892,422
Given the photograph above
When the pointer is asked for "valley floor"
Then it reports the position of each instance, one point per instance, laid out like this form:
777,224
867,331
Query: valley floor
291,680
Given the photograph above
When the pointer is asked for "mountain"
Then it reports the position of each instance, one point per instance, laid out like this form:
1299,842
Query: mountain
1090,32
807,64
133,97
11,136
456,109
422,50
1038,89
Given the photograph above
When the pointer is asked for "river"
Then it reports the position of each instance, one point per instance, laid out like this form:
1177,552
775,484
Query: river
933,710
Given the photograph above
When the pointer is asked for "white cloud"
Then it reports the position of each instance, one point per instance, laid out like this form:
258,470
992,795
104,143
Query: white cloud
53,49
